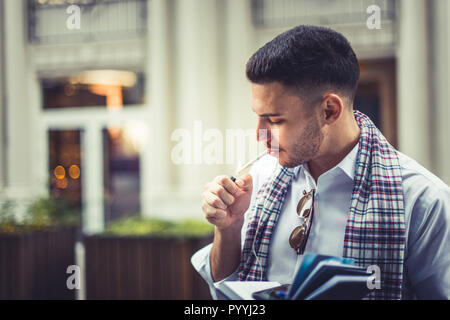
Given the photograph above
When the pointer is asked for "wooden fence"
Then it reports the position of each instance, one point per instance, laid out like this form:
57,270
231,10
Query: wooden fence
33,264
143,268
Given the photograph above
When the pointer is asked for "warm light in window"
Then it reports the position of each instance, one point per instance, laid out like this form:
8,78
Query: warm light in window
113,94
136,133
119,78
59,172
62,183
74,171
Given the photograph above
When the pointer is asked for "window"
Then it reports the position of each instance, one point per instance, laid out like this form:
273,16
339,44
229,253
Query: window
94,154
287,13
367,100
375,95
346,16
121,174
99,20
93,88
65,165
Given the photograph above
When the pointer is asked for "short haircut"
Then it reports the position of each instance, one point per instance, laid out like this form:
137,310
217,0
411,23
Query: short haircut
309,59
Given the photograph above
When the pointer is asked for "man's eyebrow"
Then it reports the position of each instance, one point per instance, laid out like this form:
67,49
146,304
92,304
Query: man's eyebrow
267,114
270,114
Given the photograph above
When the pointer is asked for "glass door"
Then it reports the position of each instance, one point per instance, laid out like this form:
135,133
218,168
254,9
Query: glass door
121,167
65,167
94,123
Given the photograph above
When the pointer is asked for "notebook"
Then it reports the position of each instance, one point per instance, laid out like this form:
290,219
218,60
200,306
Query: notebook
319,277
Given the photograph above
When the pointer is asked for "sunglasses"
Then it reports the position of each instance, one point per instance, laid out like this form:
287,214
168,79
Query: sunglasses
305,210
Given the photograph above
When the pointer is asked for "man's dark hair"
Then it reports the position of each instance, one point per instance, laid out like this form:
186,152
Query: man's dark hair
309,59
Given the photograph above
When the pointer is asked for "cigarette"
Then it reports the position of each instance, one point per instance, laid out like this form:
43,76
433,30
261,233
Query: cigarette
248,164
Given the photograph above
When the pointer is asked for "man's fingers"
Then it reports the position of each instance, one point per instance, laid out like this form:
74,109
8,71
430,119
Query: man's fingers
223,194
245,182
218,214
213,200
227,183
212,212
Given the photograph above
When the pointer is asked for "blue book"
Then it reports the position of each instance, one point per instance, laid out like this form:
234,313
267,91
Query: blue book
322,277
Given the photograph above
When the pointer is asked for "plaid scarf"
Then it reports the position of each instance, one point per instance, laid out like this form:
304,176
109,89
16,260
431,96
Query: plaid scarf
267,208
375,231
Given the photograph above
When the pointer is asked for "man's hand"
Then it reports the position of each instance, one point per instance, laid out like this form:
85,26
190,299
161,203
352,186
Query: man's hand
225,202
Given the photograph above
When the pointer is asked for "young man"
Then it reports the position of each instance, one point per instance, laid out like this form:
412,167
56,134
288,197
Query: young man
370,202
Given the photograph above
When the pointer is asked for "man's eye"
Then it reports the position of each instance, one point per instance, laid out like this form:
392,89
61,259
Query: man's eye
274,121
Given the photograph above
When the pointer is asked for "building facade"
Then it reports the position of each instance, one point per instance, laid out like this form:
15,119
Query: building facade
94,94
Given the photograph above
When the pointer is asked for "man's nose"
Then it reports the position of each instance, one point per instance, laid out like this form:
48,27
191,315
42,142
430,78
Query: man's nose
262,132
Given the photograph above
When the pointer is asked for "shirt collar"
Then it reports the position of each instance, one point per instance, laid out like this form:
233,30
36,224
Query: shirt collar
347,165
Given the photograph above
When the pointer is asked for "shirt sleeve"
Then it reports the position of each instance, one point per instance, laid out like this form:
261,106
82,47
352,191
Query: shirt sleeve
260,171
428,255
200,261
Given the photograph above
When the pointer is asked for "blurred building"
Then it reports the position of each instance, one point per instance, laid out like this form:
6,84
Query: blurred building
91,91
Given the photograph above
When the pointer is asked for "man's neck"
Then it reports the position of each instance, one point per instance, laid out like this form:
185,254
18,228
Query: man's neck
341,148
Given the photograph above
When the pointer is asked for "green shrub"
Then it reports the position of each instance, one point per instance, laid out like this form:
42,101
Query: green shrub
51,211
159,227
7,212
41,213
7,217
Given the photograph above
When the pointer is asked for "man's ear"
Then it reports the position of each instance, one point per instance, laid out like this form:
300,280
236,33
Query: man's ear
332,106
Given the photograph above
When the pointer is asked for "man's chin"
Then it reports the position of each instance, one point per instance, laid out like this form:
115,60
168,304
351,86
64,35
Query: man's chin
289,163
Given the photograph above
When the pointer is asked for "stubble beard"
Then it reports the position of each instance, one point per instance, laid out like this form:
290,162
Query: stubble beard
306,147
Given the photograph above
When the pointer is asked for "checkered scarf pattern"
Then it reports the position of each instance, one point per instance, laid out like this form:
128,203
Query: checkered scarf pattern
267,208
375,231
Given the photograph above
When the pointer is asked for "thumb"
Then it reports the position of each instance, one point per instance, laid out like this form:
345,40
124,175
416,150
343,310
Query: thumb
245,182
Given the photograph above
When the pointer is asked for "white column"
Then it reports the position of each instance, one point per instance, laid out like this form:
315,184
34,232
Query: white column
40,142
441,88
188,87
20,132
156,168
199,91
92,185
240,44
412,81
2,105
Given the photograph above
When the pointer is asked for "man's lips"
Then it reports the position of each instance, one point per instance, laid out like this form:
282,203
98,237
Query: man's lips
273,151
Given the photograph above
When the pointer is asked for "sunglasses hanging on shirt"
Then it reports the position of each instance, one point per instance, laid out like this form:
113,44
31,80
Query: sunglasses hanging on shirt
305,210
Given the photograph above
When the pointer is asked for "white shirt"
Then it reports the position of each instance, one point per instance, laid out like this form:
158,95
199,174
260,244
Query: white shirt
427,219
